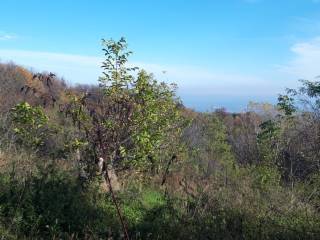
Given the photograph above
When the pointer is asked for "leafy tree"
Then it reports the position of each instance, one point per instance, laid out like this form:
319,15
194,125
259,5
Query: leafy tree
268,140
206,140
133,118
290,140
286,103
29,125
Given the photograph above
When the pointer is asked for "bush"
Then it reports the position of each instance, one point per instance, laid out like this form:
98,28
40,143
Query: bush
52,204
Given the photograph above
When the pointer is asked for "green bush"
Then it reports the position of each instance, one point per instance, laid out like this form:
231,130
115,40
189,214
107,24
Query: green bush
52,204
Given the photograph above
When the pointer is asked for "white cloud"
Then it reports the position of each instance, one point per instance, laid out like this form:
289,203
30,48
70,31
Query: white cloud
199,87
306,59
203,82
74,68
6,36
86,69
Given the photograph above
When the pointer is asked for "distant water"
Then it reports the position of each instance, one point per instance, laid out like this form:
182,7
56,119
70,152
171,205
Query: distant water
230,103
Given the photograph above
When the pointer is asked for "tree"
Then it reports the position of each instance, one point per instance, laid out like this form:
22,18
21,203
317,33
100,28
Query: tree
132,119
131,122
29,125
293,136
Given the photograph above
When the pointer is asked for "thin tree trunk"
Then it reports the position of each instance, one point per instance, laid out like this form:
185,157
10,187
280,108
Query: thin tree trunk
115,202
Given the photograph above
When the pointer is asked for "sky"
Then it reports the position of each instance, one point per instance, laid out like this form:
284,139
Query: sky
221,53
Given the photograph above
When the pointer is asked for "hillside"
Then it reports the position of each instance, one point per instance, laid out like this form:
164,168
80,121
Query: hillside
125,159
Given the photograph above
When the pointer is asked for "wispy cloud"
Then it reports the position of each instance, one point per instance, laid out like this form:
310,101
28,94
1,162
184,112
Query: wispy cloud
201,81
6,36
74,68
305,61
196,84
86,69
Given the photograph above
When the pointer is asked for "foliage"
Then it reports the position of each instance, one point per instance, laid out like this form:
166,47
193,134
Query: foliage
267,140
286,104
52,204
134,116
29,125
183,174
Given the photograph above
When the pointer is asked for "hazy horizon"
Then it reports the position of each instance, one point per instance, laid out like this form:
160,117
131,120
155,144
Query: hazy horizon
220,54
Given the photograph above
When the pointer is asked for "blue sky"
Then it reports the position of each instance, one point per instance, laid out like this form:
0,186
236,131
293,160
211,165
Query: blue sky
220,53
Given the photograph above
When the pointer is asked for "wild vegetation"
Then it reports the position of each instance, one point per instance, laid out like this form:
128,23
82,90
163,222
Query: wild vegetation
125,159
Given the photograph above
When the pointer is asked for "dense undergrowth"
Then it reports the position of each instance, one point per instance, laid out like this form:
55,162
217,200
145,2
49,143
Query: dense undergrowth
51,204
